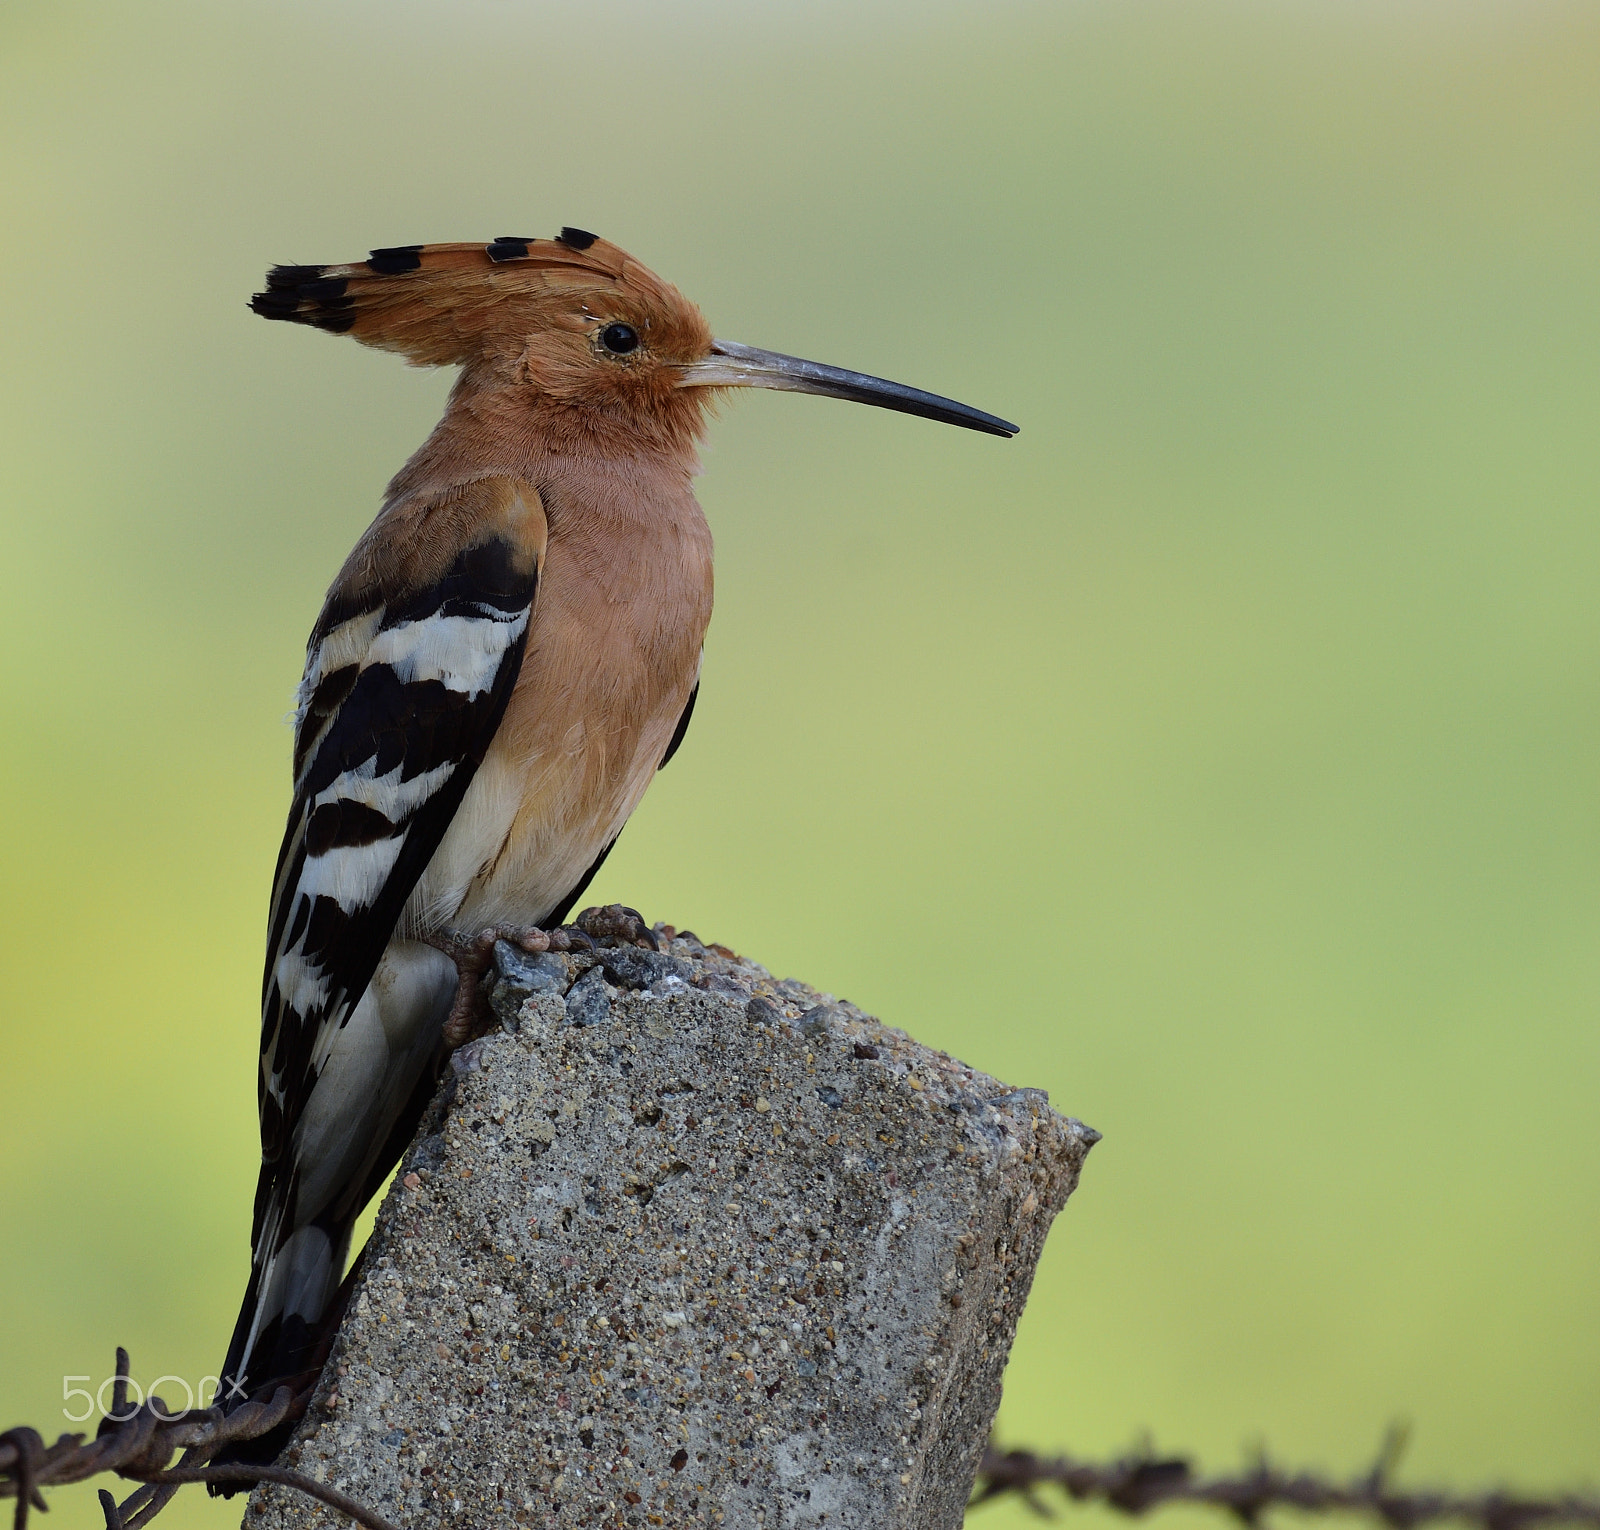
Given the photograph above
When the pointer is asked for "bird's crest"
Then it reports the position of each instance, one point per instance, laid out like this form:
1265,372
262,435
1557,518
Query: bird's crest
443,304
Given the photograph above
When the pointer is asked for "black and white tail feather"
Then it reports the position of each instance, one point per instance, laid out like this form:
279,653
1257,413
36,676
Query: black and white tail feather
401,697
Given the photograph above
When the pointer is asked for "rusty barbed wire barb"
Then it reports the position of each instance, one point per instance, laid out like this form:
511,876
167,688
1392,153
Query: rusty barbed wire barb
26,1448
1140,1482
138,1444
247,1422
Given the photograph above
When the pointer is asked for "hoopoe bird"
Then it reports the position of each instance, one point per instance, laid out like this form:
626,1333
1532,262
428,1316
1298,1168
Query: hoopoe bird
506,659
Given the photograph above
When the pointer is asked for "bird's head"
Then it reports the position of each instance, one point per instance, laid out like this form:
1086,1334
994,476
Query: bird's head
581,329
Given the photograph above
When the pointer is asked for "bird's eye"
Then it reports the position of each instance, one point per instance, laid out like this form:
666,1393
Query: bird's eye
620,339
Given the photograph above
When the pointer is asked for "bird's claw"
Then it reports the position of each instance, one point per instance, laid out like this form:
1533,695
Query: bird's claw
613,925
473,955
565,937
618,925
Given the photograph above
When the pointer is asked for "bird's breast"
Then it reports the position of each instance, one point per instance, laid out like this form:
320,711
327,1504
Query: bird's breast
613,653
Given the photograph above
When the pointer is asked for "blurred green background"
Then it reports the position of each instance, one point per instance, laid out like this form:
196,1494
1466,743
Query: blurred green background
1220,754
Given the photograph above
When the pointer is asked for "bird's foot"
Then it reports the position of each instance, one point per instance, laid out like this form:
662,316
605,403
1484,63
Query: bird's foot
615,924
470,1008
612,925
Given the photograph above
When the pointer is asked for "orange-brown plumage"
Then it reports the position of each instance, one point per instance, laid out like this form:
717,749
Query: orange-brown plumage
609,442
509,654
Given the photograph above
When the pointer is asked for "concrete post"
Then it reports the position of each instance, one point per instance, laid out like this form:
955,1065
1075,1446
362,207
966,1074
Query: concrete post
683,1246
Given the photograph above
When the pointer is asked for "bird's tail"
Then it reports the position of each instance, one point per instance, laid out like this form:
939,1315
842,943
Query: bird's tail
284,1311
291,1310
295,1299
311,1193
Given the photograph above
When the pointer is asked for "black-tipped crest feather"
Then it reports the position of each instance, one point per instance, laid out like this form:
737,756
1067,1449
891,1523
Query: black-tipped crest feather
439,304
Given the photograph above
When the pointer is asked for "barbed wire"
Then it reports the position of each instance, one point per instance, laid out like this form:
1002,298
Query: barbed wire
1143,1480
138,1444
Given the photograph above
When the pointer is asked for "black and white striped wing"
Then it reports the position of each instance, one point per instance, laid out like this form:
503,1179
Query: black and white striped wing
398,706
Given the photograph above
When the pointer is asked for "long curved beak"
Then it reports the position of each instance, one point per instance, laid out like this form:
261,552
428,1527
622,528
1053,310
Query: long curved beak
731,365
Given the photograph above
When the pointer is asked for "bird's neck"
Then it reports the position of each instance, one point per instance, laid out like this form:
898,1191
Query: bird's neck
492,428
